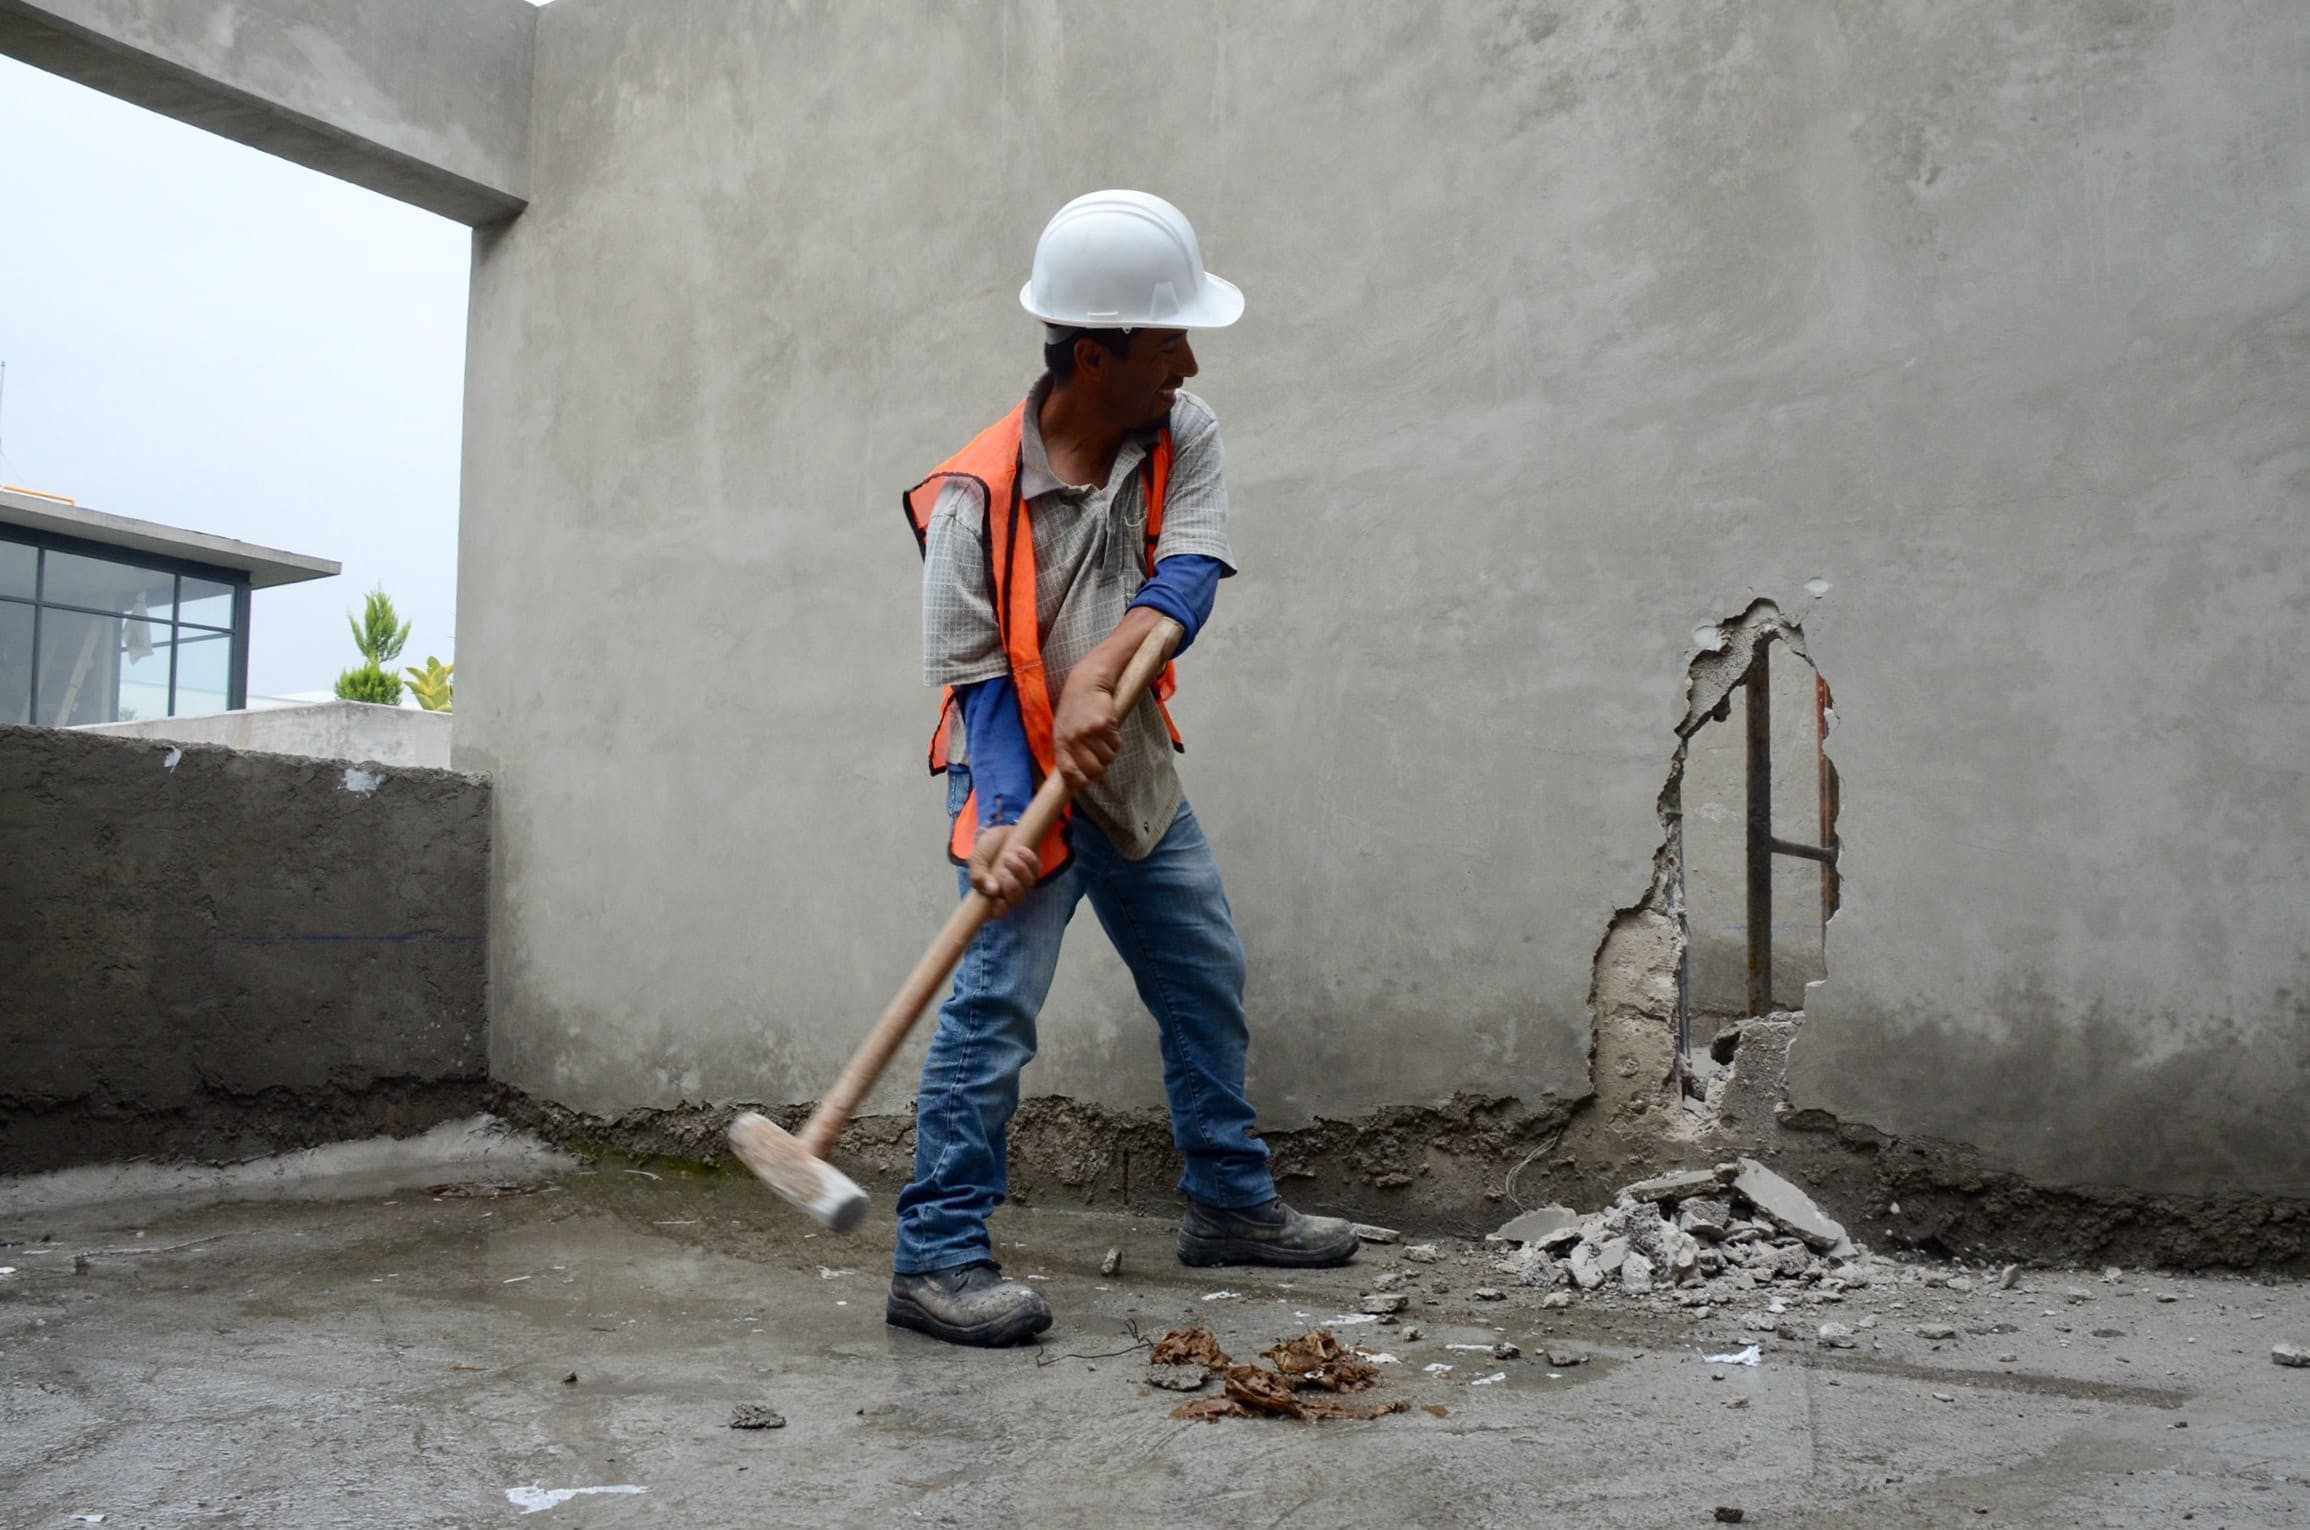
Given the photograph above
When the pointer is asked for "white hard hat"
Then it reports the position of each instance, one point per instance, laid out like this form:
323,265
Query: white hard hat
1125,260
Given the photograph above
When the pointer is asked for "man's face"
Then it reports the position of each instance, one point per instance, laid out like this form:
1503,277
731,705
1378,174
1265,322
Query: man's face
1144,385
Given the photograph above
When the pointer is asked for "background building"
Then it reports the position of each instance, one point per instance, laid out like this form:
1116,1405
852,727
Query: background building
108,619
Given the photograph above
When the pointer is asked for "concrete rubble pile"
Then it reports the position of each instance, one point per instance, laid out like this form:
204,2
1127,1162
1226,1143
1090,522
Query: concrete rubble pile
1700,1234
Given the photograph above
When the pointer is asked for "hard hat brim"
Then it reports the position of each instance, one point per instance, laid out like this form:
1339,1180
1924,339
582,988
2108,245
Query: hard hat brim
1217,305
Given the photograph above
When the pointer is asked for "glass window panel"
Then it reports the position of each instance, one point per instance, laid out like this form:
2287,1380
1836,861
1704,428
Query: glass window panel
143,684
204,668
103,585
79,668
18,564
15,663
207,602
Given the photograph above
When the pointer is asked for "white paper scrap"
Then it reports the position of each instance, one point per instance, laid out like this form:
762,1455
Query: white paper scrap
1485,1381
533,1498
1750,1356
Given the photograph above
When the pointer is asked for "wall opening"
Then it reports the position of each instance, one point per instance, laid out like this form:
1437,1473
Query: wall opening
1755,822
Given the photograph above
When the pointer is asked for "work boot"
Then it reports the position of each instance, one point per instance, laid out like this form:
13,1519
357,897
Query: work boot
971,1304
1269,1234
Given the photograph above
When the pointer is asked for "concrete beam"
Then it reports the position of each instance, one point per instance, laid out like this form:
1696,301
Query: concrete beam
426,102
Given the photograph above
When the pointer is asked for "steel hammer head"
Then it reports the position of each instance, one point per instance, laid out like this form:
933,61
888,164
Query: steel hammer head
780,1161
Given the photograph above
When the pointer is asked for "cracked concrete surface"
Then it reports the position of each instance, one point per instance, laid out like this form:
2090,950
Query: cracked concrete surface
398,1357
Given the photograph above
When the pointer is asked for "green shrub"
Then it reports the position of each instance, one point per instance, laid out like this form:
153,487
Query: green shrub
371,684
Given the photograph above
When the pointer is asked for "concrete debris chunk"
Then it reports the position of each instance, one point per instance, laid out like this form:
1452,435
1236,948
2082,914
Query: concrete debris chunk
1587,1274
2076,1294
1611,1254
1540,1223
1672,1187
2295,1355
1565,1359
1505,1351
1936,1331
1113,1263
1556,1301
1382,1303
1644,1227
1178,1378
1707,1218
1961,1284
755,1416
1835,1336
1726,1514
1368,1232
1423,1253
2009,1277
1488,1293
1636,1273
1790,1209
1530,1265
1792,1262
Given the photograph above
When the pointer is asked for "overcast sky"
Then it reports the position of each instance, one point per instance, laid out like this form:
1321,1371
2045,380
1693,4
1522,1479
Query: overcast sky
200,334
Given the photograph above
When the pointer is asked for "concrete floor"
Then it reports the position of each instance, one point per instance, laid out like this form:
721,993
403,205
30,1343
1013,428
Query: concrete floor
376,1355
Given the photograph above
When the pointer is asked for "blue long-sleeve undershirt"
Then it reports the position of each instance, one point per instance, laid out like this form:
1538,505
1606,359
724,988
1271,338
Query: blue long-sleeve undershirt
1001,765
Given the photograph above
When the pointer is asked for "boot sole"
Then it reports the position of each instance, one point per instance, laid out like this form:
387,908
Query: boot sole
1202,1253
1000,1333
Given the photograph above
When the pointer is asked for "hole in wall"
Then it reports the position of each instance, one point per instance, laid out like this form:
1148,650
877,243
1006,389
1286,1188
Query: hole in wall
1759,805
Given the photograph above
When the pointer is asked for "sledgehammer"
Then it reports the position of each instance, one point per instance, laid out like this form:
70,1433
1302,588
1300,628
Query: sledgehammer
794,1163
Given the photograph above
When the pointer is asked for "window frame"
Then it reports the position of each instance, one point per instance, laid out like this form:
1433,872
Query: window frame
236,579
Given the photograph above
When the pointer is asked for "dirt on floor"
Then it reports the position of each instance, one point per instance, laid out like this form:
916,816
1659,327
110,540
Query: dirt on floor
419,1346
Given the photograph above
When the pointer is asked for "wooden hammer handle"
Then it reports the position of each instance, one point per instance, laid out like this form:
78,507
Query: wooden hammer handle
946,952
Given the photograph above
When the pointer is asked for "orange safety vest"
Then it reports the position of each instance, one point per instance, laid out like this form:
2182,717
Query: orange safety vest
990,464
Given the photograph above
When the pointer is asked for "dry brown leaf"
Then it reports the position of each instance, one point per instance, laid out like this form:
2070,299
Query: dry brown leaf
1318,1359
1189,1346
1257,1387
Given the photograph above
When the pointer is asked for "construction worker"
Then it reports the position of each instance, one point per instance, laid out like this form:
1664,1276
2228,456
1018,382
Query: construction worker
1052,546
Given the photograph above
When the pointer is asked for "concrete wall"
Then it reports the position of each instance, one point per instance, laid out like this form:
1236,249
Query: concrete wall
209,954
329,730
1973,335
423,100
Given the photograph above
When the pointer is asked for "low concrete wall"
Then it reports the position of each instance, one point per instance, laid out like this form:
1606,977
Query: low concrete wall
206,954
426,103
329,730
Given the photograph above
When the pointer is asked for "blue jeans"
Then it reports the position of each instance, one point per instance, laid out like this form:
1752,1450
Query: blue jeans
1169,920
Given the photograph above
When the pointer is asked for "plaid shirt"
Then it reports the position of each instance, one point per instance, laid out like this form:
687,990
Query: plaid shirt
1089,564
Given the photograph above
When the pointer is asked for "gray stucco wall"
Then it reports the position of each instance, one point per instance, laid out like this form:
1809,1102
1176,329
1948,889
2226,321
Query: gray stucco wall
423,100
1973,335
209,954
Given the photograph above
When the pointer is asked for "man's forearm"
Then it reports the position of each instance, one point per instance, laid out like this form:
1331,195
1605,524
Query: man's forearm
1102,668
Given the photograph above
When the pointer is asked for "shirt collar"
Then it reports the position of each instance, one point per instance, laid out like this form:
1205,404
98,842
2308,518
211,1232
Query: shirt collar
1035,475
